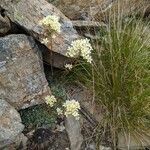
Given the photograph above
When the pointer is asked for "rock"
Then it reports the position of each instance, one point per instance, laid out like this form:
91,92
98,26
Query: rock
54,59
10,124
21,142
22,79
4,25
133,142
82,9
89,29
99,9
87,24
28,14
74,132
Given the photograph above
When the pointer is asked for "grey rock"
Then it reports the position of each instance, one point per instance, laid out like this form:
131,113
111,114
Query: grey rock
55,59
28,14
82,9
89,29
22,79
73,129
10,124
130,141
4,25
100,9
87,24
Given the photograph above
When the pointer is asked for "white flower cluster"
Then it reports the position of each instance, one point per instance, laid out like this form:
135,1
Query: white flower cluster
80,47
51,22
50,100
44,41
68,66
71,108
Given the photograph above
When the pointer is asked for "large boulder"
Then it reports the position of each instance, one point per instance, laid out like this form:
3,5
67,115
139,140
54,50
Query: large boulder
28,14
10,124
22,79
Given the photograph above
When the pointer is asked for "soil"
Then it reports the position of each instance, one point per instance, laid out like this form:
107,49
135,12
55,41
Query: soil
45,139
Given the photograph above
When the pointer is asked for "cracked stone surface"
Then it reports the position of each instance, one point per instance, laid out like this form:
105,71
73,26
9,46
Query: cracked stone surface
10,124
22,78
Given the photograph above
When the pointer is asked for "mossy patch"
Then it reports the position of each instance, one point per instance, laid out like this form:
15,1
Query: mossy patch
37,116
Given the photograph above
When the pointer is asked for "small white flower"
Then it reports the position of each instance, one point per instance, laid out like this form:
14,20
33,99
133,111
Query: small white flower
71,108
59,111
68,66
76,115
51,22
50,100
80,47
44,41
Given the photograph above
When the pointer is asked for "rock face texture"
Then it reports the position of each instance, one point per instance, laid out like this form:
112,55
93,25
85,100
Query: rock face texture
28,14
73,129
99,9
55,59
10,124
132,142
82,9
4,25
22,79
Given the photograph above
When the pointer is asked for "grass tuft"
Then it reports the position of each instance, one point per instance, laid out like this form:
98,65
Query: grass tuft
120,76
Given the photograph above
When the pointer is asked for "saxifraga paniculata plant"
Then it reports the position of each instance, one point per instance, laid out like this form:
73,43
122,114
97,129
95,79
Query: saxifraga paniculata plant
119,77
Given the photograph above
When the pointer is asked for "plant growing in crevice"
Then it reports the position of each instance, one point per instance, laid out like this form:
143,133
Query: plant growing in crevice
37,116
51,26
66,108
